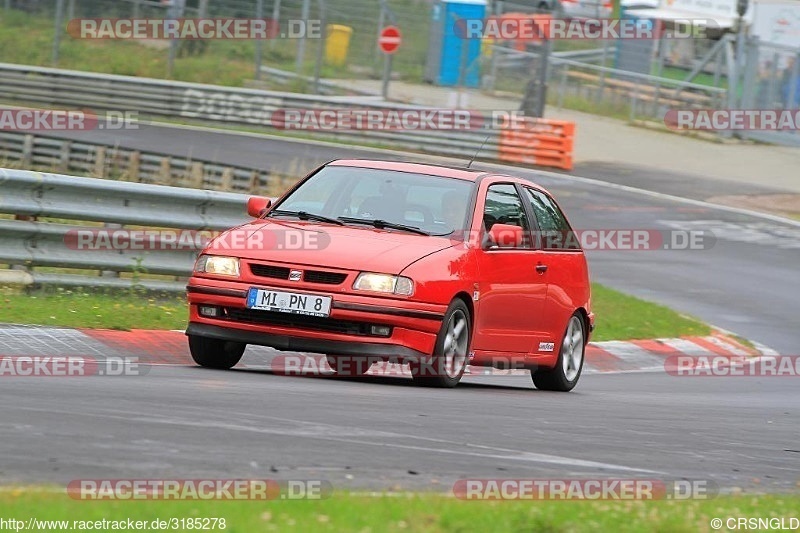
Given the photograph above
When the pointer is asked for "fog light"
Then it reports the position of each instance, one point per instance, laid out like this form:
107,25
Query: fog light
381,331
209,310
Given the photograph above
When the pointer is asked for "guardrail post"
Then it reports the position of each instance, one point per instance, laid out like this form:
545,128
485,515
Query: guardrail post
63,156
634,100
227,179
100,162
27,151
110,273
164,171
133,166
196,175
254,182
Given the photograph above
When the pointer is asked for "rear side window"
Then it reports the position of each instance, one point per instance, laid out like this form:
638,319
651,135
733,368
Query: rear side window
554,230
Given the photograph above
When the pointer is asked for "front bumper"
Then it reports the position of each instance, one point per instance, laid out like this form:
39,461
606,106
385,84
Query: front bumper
414,325
305,344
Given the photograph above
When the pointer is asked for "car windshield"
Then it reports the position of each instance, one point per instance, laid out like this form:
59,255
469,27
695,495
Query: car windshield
435,205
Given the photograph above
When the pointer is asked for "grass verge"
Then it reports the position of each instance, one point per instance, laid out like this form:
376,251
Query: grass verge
415,512
619,316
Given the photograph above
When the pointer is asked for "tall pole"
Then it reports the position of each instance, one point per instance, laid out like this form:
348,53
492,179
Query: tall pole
301,46
175,11
387,74
276,16
320,46
739,60
259,42
59,25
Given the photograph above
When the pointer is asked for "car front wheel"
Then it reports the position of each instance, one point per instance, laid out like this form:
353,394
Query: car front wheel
451,351
215,353
564,376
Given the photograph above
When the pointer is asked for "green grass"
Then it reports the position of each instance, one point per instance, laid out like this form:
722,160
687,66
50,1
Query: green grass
417,512
84,309
619,316
703,78
28,38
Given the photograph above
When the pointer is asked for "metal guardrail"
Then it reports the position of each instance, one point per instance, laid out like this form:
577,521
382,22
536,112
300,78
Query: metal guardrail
98,160
211,103
28,243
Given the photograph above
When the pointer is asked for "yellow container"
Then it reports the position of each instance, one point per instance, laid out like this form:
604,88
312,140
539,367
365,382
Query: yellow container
337,44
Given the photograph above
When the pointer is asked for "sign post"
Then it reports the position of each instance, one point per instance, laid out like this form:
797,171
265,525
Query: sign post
388,41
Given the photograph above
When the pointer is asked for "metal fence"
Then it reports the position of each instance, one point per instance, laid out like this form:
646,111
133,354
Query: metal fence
212,103
364,18
43,251
108,161
583,84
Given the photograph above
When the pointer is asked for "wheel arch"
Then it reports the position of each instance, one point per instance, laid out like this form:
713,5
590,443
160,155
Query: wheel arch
586,325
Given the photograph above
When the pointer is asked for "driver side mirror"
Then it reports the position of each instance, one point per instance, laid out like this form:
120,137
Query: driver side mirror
504,236
256,205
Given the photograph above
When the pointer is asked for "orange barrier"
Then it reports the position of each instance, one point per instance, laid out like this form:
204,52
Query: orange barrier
541,142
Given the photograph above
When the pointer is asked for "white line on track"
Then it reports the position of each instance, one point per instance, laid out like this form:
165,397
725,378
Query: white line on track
325,432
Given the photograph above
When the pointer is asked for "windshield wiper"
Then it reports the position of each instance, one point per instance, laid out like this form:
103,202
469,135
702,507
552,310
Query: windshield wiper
304,215
383,224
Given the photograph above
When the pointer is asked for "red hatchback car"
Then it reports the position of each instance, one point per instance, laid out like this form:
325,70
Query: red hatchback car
372,260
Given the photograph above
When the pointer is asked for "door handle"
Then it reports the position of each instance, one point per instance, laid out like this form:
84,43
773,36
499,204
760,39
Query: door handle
541,269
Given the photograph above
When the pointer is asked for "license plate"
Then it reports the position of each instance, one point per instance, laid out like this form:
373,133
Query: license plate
289,302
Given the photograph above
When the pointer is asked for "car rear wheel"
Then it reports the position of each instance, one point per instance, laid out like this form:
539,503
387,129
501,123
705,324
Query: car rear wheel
564,376
215,353
451,351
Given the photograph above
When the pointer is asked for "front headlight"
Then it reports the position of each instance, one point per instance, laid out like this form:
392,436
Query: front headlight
368,281
218,265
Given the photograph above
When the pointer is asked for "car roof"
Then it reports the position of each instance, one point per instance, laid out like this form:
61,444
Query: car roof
419,168
468,174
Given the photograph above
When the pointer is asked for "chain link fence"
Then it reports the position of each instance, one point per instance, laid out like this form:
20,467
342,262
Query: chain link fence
632,79
305,26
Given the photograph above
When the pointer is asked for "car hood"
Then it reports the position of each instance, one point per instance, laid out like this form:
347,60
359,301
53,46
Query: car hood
351,247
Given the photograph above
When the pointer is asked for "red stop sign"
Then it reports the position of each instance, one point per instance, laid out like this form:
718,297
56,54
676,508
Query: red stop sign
390,39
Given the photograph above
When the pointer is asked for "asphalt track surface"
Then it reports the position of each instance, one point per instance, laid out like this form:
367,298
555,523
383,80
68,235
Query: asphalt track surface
385,433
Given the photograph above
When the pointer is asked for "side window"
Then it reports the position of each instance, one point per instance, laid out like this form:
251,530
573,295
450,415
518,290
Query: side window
503,206
554,229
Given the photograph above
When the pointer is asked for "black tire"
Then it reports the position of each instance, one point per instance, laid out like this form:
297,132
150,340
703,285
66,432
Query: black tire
350,365
439,372
563,378
215,353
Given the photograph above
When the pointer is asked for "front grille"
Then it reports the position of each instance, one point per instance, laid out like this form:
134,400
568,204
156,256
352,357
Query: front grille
289,320
319,276
311,276
270,271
